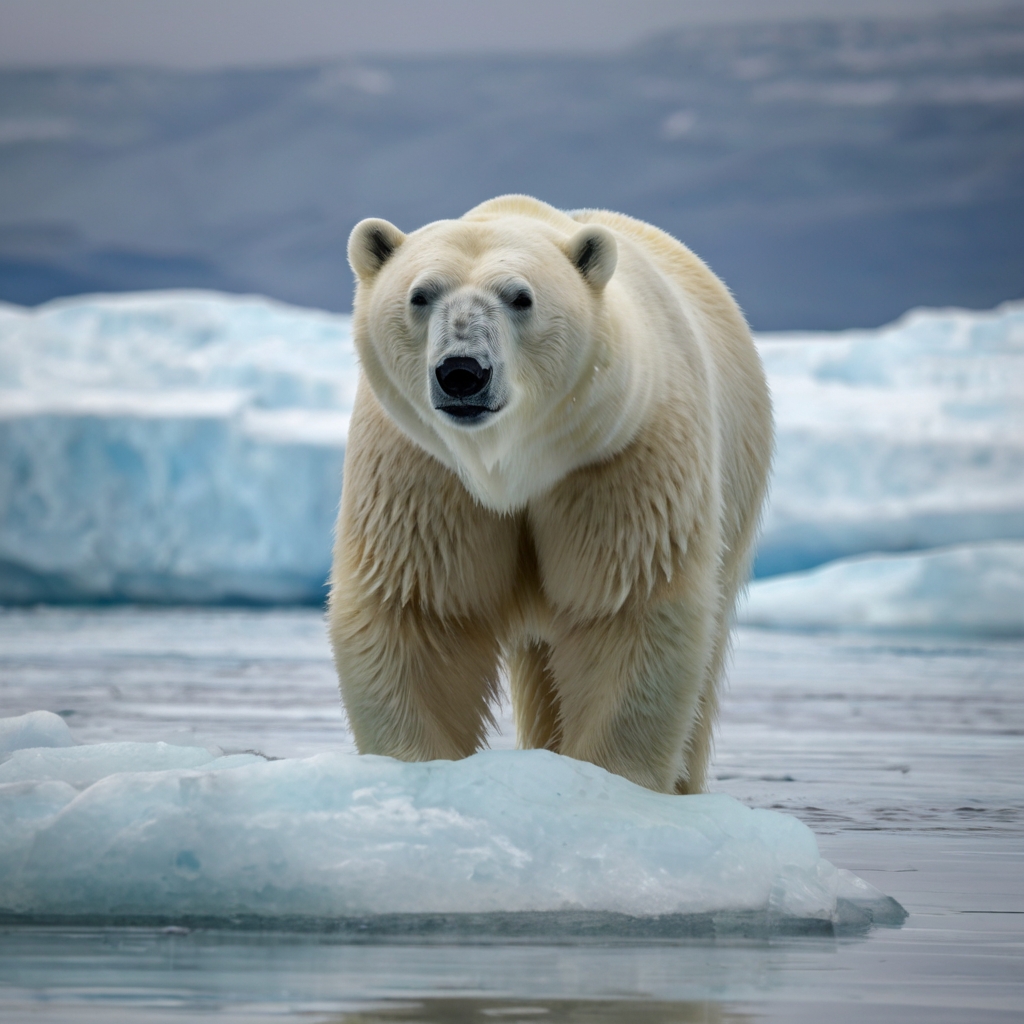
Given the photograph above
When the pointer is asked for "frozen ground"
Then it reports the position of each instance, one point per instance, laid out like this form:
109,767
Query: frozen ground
180,447
904,756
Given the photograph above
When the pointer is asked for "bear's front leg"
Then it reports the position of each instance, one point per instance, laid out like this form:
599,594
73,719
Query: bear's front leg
415,686
421,586
629,688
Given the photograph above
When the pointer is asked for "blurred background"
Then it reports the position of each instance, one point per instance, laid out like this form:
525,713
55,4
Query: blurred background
835,161
199,164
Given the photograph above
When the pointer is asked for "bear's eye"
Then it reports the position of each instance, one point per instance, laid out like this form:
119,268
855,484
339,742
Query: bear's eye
521,300
419,298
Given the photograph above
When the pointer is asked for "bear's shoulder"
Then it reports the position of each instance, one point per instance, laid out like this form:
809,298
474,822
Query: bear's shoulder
678,262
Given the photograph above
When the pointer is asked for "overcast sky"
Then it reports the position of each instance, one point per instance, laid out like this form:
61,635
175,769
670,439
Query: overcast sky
219,33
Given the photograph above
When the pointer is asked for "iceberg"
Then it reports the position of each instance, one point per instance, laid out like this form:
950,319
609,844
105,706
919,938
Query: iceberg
897,439
971,589
188,446
176,447
523,842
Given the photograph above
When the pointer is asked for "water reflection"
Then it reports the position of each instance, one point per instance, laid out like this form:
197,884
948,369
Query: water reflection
548,1011
51,974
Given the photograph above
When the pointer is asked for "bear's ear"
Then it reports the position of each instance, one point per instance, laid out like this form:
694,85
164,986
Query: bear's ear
593,253
371,245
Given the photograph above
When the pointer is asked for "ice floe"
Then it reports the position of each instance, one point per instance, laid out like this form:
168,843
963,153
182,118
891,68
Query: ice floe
37,729
504,839
902,438
973,589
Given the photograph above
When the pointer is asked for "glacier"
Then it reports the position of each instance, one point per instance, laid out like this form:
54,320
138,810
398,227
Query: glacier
188,446
126,831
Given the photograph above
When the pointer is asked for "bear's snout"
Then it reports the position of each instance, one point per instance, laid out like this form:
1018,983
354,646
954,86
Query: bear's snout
462,376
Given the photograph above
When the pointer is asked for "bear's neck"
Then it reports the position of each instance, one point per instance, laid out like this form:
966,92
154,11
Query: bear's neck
522,459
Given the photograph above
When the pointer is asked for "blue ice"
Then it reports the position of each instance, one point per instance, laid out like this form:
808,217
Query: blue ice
150,831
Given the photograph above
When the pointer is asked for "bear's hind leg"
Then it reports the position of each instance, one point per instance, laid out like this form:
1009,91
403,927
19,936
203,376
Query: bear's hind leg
534,698
629,687
698,750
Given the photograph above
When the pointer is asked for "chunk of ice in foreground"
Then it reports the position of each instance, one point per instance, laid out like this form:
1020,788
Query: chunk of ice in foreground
36,729
974,589
186,834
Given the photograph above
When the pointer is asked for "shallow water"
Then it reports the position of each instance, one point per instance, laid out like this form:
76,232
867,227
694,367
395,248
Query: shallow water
905,755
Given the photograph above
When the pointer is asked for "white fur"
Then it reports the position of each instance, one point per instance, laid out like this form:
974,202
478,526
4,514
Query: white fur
607,503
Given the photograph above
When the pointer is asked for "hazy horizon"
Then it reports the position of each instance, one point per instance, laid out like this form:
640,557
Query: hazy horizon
834,174
212,34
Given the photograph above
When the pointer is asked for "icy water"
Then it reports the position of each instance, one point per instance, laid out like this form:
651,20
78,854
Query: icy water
905,755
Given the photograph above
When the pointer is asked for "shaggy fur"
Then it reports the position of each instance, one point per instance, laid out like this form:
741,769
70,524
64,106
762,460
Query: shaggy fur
590,532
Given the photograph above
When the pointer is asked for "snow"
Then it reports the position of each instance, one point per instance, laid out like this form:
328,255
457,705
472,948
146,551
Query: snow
188,446
972,589
121,830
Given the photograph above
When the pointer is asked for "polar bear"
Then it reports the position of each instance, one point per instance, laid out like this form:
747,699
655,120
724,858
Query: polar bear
556,462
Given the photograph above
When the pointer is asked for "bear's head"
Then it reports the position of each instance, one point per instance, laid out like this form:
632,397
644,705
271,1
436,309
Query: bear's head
490,341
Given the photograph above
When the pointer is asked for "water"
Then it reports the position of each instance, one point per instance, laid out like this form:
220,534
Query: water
905,755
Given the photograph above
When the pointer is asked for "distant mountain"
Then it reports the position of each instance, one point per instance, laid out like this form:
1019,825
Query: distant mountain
834,173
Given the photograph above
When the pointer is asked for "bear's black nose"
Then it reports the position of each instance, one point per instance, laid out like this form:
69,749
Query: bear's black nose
461,376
